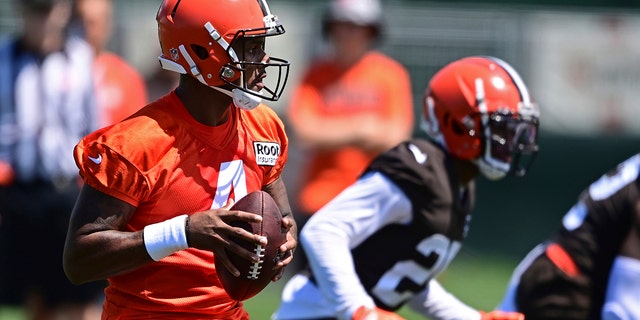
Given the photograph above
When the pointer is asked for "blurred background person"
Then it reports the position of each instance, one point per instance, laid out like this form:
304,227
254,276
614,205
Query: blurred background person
120,88
160,81
353,103
47,104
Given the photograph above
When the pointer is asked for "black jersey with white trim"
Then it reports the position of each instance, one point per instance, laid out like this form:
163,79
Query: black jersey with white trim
594,229
397,261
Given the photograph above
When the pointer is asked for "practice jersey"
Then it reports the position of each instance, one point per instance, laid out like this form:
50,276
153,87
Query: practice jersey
165,163
398,260
384,239
595,227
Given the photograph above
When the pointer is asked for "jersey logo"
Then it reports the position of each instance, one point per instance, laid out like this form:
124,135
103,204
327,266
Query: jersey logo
267,153
420,156
96,160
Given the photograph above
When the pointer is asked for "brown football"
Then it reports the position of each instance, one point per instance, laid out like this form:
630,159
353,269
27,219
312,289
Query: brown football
254,276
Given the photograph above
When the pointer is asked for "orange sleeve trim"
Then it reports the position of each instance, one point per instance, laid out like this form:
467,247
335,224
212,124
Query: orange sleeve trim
562,260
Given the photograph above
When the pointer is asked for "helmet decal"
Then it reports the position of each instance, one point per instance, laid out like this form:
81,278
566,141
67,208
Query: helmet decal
174,54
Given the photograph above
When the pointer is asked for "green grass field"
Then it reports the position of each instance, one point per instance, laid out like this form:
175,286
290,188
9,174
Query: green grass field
478,280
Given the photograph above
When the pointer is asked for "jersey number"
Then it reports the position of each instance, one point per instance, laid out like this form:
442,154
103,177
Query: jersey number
408,277
230,177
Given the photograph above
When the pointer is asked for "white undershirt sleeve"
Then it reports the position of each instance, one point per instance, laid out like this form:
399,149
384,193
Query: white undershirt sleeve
328,237
622,301
437,303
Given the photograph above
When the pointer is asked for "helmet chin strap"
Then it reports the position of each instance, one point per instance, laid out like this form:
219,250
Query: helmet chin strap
490,171
241,99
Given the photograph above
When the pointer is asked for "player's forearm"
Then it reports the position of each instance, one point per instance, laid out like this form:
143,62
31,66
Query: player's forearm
326,137
278,192
331,233
319,132
333,269
103,254
381,137
98,245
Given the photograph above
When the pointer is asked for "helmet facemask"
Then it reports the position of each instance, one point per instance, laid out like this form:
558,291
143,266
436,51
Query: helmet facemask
510,138
250,76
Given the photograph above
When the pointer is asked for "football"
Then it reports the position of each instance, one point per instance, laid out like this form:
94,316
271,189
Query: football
254,276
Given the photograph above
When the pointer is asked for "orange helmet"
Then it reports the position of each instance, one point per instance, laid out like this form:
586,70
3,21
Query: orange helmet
198,37
479,109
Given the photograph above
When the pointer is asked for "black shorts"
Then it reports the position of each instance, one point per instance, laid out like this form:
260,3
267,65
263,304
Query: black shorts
33,227
546,292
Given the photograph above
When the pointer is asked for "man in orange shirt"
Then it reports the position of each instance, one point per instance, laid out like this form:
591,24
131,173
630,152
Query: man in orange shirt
153,211
120,89
352,104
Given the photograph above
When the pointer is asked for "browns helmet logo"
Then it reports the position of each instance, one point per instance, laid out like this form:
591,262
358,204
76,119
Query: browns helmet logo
174,54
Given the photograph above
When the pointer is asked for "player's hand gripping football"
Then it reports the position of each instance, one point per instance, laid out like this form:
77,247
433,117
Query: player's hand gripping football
288,247
211,230
501,315
364,313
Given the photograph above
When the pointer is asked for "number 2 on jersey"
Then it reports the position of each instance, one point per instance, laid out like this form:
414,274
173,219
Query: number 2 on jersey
389,288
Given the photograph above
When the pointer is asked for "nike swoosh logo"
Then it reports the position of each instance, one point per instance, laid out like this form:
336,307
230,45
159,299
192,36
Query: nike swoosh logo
97,160
420,156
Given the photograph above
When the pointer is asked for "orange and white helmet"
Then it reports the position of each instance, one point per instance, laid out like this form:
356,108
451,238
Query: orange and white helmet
198,37
479,109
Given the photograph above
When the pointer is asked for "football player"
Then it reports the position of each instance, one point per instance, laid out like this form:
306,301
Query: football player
590,268
380,244
151,214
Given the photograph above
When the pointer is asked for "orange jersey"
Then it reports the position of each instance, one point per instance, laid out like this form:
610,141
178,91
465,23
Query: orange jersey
377,85
165,163
120,89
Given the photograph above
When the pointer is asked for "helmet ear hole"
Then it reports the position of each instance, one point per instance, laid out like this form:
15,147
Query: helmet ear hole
446,117
458,128
455,126
200,51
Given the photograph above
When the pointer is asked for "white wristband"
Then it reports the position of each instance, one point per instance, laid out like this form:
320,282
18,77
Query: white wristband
164,238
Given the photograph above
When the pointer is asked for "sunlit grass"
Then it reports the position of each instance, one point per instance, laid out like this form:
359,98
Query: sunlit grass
478,280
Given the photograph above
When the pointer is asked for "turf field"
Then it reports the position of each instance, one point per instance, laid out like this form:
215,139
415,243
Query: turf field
478,280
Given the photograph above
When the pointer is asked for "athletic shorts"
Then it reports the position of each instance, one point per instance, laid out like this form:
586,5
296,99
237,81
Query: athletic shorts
33,227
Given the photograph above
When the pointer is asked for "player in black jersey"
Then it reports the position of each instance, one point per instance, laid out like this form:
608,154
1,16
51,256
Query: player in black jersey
381,243
590,268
